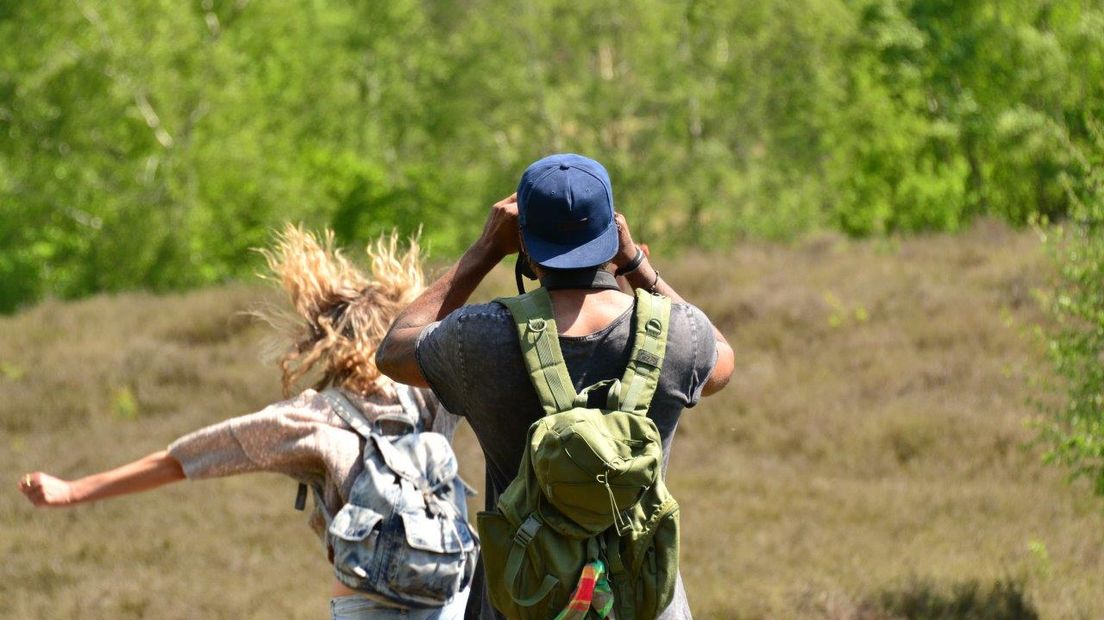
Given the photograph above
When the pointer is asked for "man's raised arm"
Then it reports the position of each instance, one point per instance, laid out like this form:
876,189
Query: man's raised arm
645,276
395,356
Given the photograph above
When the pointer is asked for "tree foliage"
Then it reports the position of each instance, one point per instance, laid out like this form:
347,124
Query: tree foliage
151,143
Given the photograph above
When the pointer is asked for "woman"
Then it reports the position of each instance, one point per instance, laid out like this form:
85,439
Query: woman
340,316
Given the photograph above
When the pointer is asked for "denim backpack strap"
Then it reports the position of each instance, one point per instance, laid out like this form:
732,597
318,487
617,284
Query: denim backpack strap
638,385
348,412
410,406
353,416
540,348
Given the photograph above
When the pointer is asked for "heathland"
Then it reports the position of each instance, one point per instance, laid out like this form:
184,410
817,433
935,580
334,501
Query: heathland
872,457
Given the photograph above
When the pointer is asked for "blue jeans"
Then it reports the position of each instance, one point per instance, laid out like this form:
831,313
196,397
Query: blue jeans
357,607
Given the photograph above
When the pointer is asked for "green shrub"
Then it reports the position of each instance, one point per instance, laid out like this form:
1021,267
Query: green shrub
1075,428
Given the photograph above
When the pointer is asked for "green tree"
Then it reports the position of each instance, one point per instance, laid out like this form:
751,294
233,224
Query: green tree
152,143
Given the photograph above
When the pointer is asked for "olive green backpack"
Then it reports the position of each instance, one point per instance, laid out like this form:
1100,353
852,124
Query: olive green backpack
590,489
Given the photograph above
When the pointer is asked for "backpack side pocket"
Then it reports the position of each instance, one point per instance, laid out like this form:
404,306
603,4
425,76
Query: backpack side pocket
354,536
497,535
655,564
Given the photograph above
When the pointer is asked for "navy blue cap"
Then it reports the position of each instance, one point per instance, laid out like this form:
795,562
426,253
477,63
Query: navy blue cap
565,212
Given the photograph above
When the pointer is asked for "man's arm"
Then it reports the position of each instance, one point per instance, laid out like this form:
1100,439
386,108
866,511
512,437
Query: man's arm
395,356
645,276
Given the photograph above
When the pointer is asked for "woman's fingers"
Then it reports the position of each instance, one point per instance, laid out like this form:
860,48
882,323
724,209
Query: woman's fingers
45,490
29,486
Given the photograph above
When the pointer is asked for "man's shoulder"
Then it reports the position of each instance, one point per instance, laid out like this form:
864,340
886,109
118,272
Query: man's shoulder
494,313
691,332
488,313
686,311
459,352
486,320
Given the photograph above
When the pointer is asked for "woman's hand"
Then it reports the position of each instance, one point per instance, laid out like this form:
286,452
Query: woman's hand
46,490
149,472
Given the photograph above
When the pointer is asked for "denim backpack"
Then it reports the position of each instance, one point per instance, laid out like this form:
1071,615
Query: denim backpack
587,528
403,536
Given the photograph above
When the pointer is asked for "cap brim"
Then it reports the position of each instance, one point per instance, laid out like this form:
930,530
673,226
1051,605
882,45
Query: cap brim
595,252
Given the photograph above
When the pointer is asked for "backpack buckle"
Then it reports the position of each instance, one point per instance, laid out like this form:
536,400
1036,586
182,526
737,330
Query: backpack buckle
654,327
647,357
537,325
527,531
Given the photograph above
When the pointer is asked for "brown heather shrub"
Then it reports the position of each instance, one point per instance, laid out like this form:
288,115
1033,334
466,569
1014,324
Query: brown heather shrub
873,436
1004,599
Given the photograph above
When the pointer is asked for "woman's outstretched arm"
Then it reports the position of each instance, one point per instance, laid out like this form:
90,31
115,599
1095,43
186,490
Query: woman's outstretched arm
148,472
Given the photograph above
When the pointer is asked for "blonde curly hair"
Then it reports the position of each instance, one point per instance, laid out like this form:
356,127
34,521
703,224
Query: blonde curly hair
341,313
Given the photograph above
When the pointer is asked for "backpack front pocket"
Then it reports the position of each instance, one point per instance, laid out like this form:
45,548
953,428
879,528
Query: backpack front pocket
530,572
422,567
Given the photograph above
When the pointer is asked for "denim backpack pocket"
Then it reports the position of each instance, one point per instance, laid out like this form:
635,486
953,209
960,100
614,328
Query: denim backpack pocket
354,533
424,568
437,535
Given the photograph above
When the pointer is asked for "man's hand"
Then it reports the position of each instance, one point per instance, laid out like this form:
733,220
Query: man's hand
45,490
626,248
500,232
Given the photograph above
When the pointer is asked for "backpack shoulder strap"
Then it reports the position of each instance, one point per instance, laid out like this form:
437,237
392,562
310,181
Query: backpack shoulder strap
354,418
638,385
410,408
348,412
365,427
540,347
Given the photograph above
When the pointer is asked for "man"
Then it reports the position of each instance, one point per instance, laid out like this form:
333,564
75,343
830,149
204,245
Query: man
562,217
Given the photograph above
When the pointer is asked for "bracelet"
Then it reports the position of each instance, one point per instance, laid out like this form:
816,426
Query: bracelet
655,283
633,264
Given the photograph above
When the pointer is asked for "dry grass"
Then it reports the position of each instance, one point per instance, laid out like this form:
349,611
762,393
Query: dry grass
867,461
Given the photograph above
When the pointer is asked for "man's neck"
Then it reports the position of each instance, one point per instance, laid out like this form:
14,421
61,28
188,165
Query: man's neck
589,278
580,312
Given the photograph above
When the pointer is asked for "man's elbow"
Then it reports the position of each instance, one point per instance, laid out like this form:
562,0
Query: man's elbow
385,356
722,370
395,358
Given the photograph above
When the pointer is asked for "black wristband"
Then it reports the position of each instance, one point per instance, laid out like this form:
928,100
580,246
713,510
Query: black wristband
633,264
